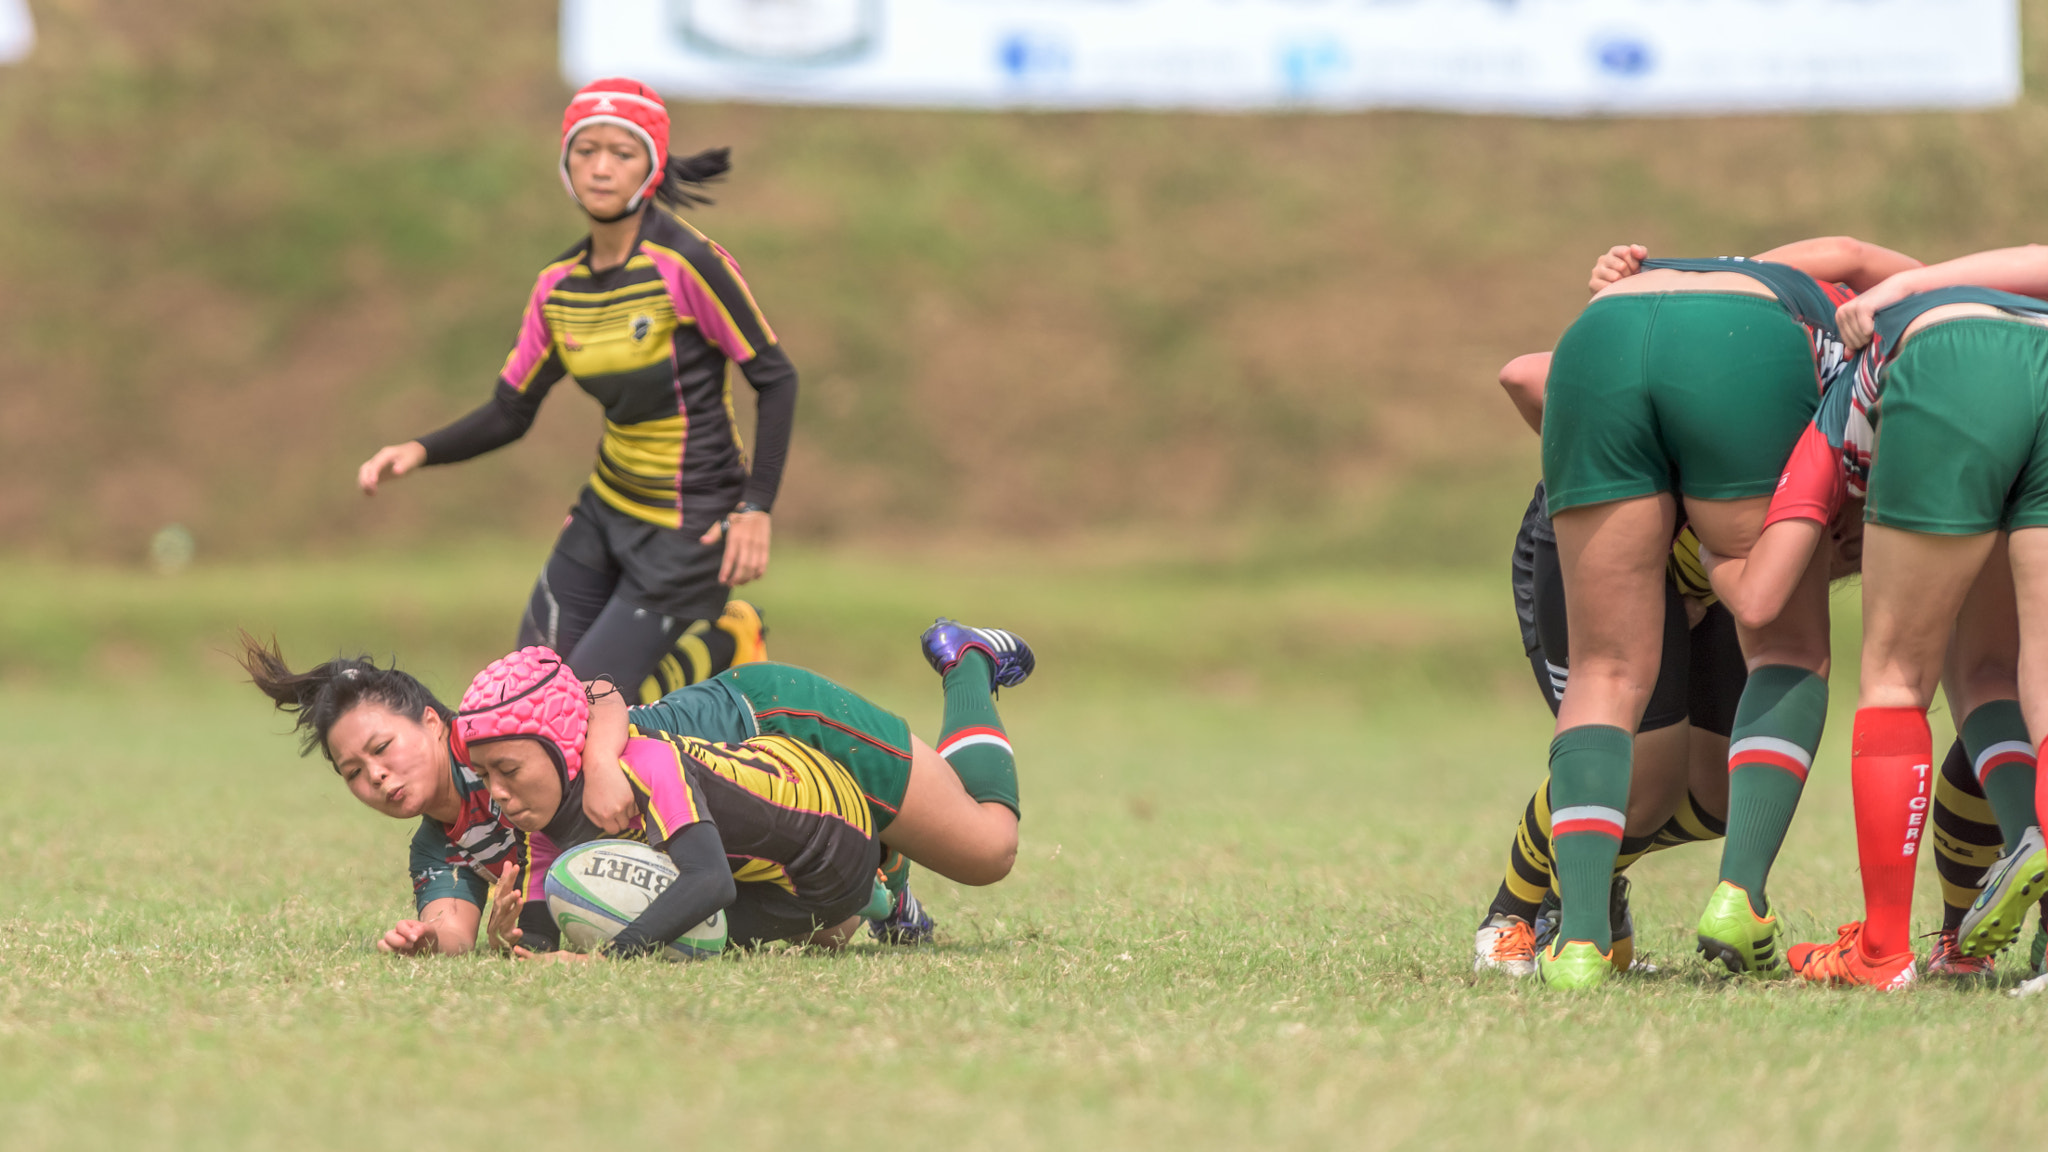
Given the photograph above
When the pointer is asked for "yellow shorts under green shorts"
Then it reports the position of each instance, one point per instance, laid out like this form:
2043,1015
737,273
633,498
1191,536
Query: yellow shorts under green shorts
1701,393
1962,430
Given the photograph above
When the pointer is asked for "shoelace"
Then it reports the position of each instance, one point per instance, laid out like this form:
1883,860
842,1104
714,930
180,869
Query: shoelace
1517,941
1947,953
1831,961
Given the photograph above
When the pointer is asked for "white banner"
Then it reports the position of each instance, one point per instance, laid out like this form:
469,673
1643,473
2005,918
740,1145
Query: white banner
1543,56
17,31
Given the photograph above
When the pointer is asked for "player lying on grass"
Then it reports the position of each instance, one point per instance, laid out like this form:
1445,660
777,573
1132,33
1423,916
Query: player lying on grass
954,810
1683,380
769,830
387,737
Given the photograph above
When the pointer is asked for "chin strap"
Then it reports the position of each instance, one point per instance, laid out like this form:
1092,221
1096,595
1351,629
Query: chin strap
609,219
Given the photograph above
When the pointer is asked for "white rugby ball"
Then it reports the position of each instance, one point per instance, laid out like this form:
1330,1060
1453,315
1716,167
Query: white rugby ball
594,890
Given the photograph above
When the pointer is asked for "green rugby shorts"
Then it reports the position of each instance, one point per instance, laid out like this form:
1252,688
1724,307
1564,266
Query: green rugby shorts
1960,424
1702,393
873,743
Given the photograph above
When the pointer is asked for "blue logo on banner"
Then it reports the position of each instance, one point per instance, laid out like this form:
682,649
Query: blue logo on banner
1026,56
1624,56
1310,65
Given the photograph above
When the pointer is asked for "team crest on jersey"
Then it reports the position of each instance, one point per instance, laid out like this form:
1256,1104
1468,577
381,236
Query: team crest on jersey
642,324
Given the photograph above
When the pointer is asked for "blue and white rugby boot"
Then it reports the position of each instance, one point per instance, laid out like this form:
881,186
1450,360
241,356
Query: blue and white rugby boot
906,923
2013,885
1010,657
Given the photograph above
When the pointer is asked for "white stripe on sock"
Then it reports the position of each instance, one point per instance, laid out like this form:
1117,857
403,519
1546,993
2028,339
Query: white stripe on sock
2001,748
971,741
1587,812
1785,748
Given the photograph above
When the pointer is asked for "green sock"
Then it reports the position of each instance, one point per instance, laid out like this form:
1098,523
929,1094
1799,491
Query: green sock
1995,737
1589,768
1777,730
971,736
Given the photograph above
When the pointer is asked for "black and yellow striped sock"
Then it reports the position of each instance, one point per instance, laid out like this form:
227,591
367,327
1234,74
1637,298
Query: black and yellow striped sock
700,653
1967,841
1528,871
1692,824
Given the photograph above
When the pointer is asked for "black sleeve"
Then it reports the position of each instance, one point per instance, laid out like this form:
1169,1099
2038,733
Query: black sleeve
537,931
774,381
704,887
503,418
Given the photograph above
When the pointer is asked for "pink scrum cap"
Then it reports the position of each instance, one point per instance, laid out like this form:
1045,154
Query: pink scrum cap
530,694
630,105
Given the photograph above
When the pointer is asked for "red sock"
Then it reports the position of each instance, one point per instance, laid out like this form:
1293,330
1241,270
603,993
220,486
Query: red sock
1890,758
2040,793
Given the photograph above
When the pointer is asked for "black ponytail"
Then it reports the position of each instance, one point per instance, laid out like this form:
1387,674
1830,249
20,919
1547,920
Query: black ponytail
682,182
323,694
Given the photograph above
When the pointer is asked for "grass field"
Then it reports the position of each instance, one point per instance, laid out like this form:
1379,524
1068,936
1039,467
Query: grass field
1263,812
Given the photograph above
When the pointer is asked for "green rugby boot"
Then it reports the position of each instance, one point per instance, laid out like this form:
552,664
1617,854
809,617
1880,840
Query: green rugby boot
2014,883
1577,965
1740,939
1621,923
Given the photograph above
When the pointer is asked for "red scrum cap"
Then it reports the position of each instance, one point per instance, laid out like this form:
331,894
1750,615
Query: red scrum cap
630,105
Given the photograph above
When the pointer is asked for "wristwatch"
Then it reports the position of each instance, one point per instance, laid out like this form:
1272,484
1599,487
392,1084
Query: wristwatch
746,506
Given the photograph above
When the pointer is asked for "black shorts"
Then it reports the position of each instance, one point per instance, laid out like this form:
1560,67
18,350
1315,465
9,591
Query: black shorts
663,570
1700,673
763,912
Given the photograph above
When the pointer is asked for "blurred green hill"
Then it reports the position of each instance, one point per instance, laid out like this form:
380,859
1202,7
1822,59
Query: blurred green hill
245,244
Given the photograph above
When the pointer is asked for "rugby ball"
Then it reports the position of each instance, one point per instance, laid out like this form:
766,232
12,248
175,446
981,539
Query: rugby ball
594,890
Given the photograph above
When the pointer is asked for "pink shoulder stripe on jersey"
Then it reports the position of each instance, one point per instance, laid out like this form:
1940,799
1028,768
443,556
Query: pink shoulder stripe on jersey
692,297
540,856
657,767
536,341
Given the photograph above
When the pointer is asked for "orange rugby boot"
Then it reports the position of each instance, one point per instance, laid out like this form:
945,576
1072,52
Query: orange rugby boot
1843,962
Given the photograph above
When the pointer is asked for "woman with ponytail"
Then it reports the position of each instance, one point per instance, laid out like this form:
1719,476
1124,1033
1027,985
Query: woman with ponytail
387,737
646,313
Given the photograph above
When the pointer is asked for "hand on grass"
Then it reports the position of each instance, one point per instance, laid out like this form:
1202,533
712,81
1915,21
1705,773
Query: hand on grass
397,459
746,547
410,938
1620,262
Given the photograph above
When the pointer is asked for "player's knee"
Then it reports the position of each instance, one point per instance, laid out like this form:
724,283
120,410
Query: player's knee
994,856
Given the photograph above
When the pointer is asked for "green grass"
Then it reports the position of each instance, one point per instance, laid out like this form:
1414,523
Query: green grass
1255,847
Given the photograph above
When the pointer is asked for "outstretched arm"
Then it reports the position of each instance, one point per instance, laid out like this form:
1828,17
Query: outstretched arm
1524,379
446,926
1842,260
2023,270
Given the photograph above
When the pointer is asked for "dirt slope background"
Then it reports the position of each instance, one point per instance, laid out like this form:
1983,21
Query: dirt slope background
245,244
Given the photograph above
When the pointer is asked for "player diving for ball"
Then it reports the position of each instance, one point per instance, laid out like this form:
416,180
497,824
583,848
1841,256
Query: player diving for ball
953,809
